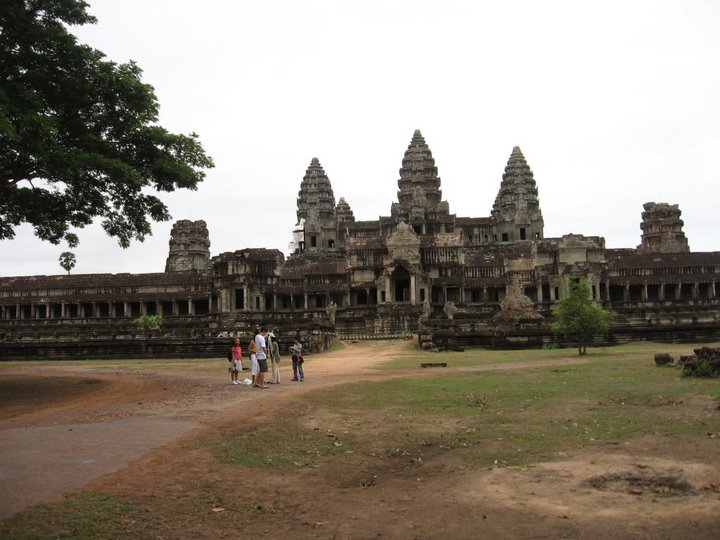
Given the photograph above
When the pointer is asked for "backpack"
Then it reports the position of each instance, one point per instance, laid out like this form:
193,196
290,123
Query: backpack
252,347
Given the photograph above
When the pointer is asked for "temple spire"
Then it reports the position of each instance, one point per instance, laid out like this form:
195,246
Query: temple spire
516,211
419,194
315,198
317,223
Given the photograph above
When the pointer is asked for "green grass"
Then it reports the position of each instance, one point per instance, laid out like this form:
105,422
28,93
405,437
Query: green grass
485,418
509,416
80,516
643,351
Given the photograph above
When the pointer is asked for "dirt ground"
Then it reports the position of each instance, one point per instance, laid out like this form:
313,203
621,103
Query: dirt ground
68,428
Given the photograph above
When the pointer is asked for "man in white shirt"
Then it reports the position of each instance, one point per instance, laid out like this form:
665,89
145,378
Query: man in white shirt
261,351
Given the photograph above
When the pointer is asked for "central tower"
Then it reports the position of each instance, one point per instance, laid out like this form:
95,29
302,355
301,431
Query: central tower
420,203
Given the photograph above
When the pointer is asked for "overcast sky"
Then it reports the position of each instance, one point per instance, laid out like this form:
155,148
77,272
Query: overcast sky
613,103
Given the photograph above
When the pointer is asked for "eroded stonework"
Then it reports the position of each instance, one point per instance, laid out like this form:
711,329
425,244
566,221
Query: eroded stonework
453,280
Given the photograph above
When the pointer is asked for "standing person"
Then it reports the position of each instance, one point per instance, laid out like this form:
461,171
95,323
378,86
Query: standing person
253,357
274,349
261,352
297,360
235,359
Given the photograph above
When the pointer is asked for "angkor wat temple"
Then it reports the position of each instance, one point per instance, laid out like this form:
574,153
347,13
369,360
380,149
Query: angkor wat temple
486,281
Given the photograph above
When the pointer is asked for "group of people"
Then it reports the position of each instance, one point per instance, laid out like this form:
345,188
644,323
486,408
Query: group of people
263,347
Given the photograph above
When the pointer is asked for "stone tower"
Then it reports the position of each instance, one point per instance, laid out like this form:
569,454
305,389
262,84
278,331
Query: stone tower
420,201
343,211
344,215
662,229
516,213
189,246
316,208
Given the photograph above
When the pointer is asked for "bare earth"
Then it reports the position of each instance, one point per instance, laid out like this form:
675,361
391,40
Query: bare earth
93,427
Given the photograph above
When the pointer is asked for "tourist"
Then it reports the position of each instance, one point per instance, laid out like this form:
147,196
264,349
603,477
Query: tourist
297,360
261,353
253,357
235,359
274,349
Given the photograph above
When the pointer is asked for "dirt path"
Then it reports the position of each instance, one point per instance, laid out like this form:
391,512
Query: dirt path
96,427
68,425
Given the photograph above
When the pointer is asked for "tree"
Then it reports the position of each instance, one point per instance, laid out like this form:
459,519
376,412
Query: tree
78,133
67,260
148,324
578,318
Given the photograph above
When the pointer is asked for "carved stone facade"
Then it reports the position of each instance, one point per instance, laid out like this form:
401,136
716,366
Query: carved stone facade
662,229
487,281
189,246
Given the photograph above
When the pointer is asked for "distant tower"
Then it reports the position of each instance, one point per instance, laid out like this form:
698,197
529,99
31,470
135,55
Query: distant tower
344,215
189,246
662,229
516,212
420,201
343,211
316,206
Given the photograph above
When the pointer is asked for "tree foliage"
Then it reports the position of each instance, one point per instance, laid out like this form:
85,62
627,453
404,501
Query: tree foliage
578,318
148,323
78,133
67,260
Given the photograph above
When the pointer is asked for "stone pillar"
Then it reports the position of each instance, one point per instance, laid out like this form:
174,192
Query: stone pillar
626,293
413,292
644,293
661,292
696,291
191,307
678,290
305,301
388,296
143,308
711,292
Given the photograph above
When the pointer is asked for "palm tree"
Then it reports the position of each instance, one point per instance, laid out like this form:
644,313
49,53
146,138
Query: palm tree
67,260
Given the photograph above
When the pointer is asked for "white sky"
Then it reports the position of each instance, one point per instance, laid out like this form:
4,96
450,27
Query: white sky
613,103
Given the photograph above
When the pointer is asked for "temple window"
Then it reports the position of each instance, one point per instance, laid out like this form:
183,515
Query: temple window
239,299
522,233
504,237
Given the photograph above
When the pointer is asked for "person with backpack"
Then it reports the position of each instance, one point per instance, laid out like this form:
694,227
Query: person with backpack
297,360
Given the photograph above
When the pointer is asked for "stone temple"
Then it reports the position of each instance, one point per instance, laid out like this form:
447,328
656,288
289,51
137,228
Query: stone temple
421,270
